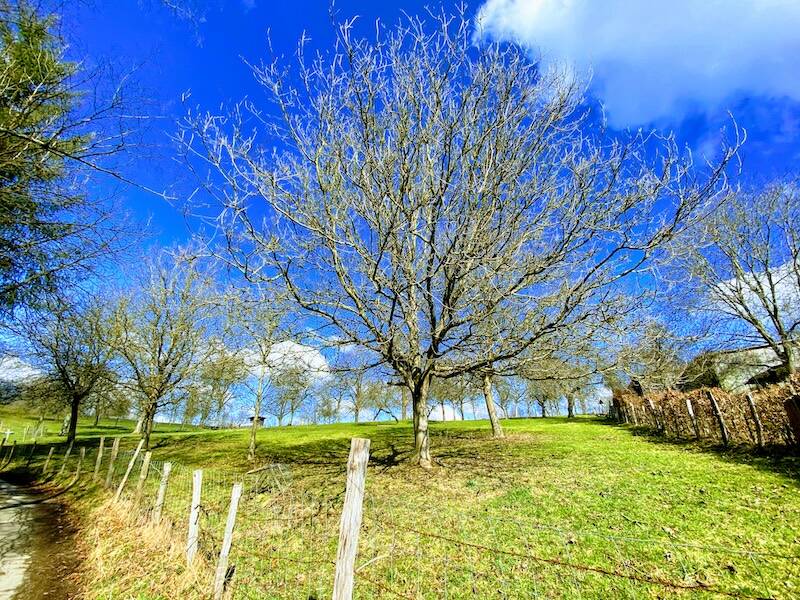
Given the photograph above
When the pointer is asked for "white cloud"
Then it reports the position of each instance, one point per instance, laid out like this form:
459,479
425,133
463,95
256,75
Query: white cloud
14,370
653,61
289,354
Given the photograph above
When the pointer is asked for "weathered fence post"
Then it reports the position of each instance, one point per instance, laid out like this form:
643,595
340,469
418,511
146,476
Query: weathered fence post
633,414
143,474
792,408
194,516
47,461
222,563
7,460
723,430
114,452
30,454
653,412
99,460
756,420
162,492
129,469
66,458
692,417
350,524
80,463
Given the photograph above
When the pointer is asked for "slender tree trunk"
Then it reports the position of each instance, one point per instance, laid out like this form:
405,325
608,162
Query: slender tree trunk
73,419
147,423
791,362
97,414
419,406
444,418
251,450
570,406
543,408
497,429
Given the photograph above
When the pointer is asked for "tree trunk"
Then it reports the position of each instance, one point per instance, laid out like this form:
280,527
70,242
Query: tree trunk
497,429
97,414
147,423
73,419
251,450
570,406
419,407
543,408
444,418
356,414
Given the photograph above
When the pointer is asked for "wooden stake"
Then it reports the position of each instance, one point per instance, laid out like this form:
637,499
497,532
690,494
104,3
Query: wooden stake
99,460
723,430
114,452
47,461
162,492
222,563
350,524
756,420
66,458
31,453
692,417
128,470
143,474
80,462
194,516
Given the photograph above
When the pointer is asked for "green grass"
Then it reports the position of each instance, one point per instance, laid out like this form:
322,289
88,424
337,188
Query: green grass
537,514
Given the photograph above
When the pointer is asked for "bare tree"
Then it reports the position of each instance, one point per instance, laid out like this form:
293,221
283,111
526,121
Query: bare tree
444,205
745,263
160,329
70,343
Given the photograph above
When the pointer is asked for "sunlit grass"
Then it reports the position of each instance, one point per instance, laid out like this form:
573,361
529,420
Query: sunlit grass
495,518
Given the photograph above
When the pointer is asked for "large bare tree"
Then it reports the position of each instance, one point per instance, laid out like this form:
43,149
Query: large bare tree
444,204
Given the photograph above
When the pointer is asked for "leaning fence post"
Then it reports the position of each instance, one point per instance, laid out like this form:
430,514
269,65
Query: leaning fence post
80,463
162,492
222,563
99,460
350,524
47,461
692,417
66,458
653,412
30,454
143,473
129,469
756,420
723,430
194,516
114,452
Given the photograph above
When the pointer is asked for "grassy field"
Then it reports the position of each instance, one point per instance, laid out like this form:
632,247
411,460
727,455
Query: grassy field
558,509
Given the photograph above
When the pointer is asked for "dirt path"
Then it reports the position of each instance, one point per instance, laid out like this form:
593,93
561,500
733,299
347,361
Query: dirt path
37,542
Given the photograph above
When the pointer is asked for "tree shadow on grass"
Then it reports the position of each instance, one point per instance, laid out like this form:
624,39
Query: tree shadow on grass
783,460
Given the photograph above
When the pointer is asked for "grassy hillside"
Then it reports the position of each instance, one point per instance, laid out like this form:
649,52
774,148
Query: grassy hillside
558,509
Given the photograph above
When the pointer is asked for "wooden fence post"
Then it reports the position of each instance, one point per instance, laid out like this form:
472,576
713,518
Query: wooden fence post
723,430
162,492
30,454
194,516
80,463
143,474
66,458
633,414
47,461
114,452
692,417
129,469
756,420
222,563
350,524
7,460
99,460
653,412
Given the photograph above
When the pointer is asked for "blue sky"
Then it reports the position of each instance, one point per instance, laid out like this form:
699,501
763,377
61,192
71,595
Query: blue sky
680,67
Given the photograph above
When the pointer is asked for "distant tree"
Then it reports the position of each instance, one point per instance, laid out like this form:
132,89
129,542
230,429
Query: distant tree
160,332
744,262
292,390
218,375
73,345
442,204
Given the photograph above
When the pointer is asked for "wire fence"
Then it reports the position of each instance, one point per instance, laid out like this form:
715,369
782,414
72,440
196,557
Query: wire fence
289,529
